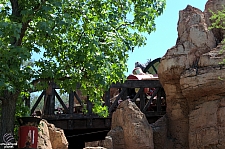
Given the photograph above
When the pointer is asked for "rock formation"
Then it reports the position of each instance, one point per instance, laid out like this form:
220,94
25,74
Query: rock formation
106,144
50,137
94,143
43,136
189,73
130,128
160,133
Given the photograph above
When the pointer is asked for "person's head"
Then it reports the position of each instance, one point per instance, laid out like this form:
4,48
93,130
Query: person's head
138,71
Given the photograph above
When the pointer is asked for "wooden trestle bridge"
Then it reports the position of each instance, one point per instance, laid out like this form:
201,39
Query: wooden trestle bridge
73,121
152,106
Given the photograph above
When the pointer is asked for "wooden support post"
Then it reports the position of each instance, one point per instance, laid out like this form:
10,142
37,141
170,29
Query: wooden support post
159,101
49,105
142,99
124,96
46,105
71,102
52,102
89,106
107,99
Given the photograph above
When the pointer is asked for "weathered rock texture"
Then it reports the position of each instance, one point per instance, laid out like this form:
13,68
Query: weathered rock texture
130,128
94,144
107,143
43,136
160,133
189,73
50,137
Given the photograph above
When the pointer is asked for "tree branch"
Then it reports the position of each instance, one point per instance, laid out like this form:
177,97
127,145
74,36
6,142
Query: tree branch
25,25
15,16
80,38
38,7
15,8
124,24
22,33
16,13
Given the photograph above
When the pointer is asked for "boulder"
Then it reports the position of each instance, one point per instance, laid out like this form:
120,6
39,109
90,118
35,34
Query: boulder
160,133
130,128
50,137
108,143
189,73
57,137
43,136
117,135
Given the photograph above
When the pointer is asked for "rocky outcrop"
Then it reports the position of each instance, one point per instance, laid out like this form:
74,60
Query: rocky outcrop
43,136
189,73
160,133
108,142
57,137
130,128
50,137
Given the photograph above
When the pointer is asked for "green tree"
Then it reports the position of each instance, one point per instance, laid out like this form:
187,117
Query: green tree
85,41
218,25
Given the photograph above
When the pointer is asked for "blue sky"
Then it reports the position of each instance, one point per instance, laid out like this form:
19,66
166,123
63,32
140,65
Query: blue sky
165,36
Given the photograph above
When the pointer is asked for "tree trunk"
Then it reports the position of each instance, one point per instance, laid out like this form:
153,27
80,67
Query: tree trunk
8,115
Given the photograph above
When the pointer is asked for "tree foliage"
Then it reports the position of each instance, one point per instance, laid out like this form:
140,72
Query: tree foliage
83,41
218,22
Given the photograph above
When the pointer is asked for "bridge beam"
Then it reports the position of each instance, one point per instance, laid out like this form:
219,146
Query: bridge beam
71,102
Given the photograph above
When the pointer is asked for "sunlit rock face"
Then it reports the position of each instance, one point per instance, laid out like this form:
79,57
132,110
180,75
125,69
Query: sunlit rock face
130,128
50,137
189,73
